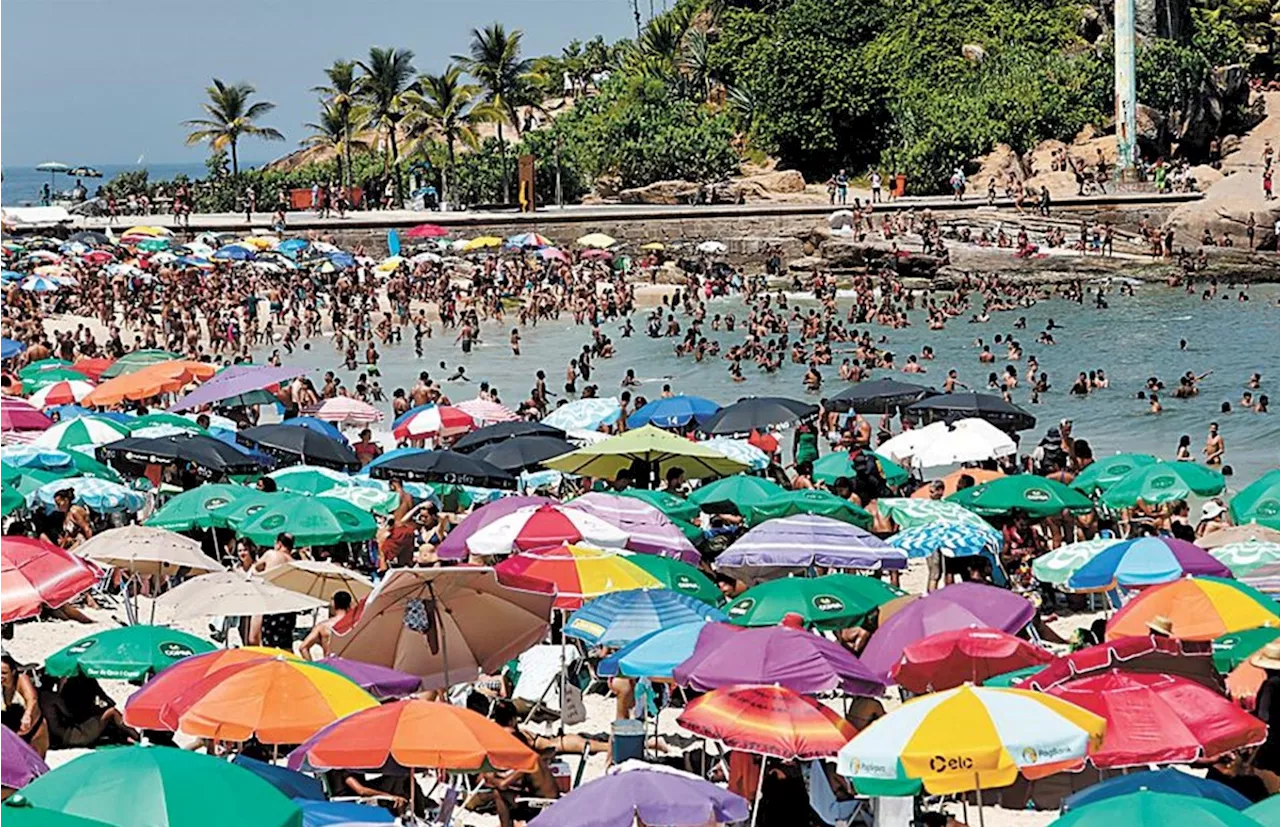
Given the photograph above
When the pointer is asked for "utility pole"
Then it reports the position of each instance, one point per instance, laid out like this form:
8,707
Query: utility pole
1126,92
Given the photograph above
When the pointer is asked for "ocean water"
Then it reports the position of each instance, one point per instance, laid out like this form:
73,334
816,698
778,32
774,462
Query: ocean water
21,185
1136,338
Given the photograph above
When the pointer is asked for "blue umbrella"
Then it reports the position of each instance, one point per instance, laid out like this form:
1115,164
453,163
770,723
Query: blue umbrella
1145,561
342,259
951,538
234,252
40,284
292,246
40,459
395,453
1161,781
11,275
673,412
341,814
10,347
95,494
319,425
618,618
656,655
194,261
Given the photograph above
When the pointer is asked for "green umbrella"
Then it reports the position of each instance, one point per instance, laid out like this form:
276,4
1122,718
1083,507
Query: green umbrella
741,491
1231,650
202,507
161,418
910,512
128,653
836,464
135,361
1266,811
153,245
809,501
1150,809
29,479
1106,472
52,376
690,531
679,576
833,601
87,466
11,499
674,507
34,369
18,812
309,479
1009,679
131,786
1026,493
313,521
1164,482
453,497
1259,502
81,432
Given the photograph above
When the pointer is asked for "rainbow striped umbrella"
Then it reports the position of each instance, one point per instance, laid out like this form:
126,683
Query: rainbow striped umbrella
1200,608
578,572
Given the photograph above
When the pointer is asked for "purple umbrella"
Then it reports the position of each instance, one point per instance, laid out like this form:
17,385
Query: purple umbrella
778,547
799,660
958,606
19,763
378,681
652,532
654,796
234,381
454,546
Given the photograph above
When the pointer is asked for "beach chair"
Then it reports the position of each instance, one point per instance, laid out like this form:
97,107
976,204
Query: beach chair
823,801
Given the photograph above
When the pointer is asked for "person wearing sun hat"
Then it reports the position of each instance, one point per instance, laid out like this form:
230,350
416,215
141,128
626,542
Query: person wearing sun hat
1213,517
1161,626
1266,763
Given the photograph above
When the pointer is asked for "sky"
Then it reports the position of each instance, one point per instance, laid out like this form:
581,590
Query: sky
104,81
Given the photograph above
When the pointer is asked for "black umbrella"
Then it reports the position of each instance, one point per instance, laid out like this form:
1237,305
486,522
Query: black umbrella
522,453
878,396
758,413
504,430
949,407
443,466
301,445
209,455
90,237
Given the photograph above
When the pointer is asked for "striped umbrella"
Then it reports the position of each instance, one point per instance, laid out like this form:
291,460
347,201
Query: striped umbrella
83,431
36,573
431,420
585,414
619,618
951,538
740,450
772,721
1265,579
1057,566
486,410
800,542
578,572
543,526
344,410
1145,561
908,512
102,496
20,415
1247,557
40,284
1200,608
648,529
60,393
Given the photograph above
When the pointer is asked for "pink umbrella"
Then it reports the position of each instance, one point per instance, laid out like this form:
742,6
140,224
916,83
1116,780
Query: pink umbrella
543,526
600,254
648,529
485,410
19,415
554,253
345,411
426,231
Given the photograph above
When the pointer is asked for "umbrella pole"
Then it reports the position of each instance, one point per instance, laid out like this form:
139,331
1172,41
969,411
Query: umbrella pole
563,677
755,807
978,788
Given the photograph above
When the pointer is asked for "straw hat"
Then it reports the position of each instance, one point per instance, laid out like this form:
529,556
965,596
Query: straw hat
1211,510
1268,657
1161,625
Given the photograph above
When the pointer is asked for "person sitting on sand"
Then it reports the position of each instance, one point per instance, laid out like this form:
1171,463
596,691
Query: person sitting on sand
22,712
81,715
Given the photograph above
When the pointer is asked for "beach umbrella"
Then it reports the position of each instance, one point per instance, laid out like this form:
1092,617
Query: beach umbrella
597,240
500,431
102,496
90,431
767,720
909,512
529,240
659,449
143,707
313,521
616,619
878,396
310,422
1148,653
741,451
159,786
553,253
1200,608
1266,811
486,410
1163,482
483,242
1023,493
40,284
276,700
233,593
148,381
37,380
585,414
951,406
148,551
578,572
1231,650
446,624
19,763
543,526
1103,473
1006,731
234,385
637,793
739,491
525,453
20,457
673,412
797,544
301,445
35,573
655,655
34,369
951,482
1057,566
1160,719
136,360
343,410
648,529
1144,561
128,653
318,578
676,508
758,413
1246,533
379,681
957,606
712,247
200,507
1258,502
837,464
158,245
207,455
833,601
678,576
60,393
454,546
363,493
10,348
389,264
950,538
812,501
1147,808
423,231
93,367
19,415
443,466
949,443
234,252
1265,579
949,659
1169,780
11,500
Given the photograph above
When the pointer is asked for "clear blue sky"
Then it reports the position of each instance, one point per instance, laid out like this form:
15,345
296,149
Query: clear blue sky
104,81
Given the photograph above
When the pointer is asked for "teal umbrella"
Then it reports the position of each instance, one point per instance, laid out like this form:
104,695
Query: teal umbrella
1022,493
1231,650
203,507
832,601
1150,809
129,653
809,501
1106,472
740,491
1163,482
313,521
1259,502
10,499
836,464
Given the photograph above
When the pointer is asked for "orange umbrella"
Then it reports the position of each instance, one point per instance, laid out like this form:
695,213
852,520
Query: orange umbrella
1200,608
143,708
414,734
769,720
153,380
279,700
978,475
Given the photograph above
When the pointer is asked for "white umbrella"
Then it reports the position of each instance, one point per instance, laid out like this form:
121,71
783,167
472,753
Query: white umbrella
712,247
145,550
968,440
234,593
319,579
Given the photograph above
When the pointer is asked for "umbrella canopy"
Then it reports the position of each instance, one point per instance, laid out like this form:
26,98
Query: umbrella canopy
1231,650
464,621
648,529
1144,807
741,450
741,492
200,507
379,681
1148,654
81,432
950,538
1144,561
878,396
64,392
833,601
1266,811
426,231
148,381
585,414
318,578
1023,494
676,508
1201,608
948,443
95,494
313,521
343,410
831,467
646,794
597,240
443,466
773,655
142,709
673,412
12,500
1057,566
294,445
431,420
10,347
814,502
414,734
1163,482
327,428
19,763
1168,780
1235,535
1160,719
454,546
209,456
618,618
1265,579
524,453
1103,473
486,410
957,606
543,526
949,659
136,360
655,655
1258,502
660,449
1006,731
679,576
951,406
500,431
39,379
128,653
578,572
796,544
909,512
159,786
147,550
19,415
236,381
758,413
233,593
34,573
767,720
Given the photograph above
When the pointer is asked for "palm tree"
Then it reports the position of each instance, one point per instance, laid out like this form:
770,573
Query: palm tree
388,74
230,117
334,131
340,94
442,106
496,63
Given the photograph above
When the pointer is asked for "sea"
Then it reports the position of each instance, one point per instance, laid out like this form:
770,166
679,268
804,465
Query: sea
20,186
1135,338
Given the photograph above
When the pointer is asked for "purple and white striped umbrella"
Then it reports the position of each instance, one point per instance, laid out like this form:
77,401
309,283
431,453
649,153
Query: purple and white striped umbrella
650,531
776,547
454,546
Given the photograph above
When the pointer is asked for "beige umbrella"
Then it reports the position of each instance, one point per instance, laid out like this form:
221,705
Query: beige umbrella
234,593
1239,534
319,579
147,551
446,625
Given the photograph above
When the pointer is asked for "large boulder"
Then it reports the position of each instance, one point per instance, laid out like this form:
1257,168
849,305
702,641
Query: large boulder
787,181
1165,19
660,192
996,165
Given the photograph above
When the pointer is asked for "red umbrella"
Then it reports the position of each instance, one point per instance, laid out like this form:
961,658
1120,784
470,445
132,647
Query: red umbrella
98,257
426,231
769,720
92,368
1188,659
35,573
1160,719
20,415
948,659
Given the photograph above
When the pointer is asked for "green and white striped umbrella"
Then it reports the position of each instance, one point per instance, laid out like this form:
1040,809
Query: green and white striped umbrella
82,431
367,495
1057,566
1244,558
909,512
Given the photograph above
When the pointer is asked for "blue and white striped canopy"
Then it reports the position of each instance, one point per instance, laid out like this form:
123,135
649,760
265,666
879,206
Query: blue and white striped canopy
741,450
585,414
40,284
618,618
951,538
95,494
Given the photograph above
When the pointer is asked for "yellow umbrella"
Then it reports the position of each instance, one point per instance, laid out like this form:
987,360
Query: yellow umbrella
599,240
147,230
648,444
483,242
260,242
653,245
389,264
